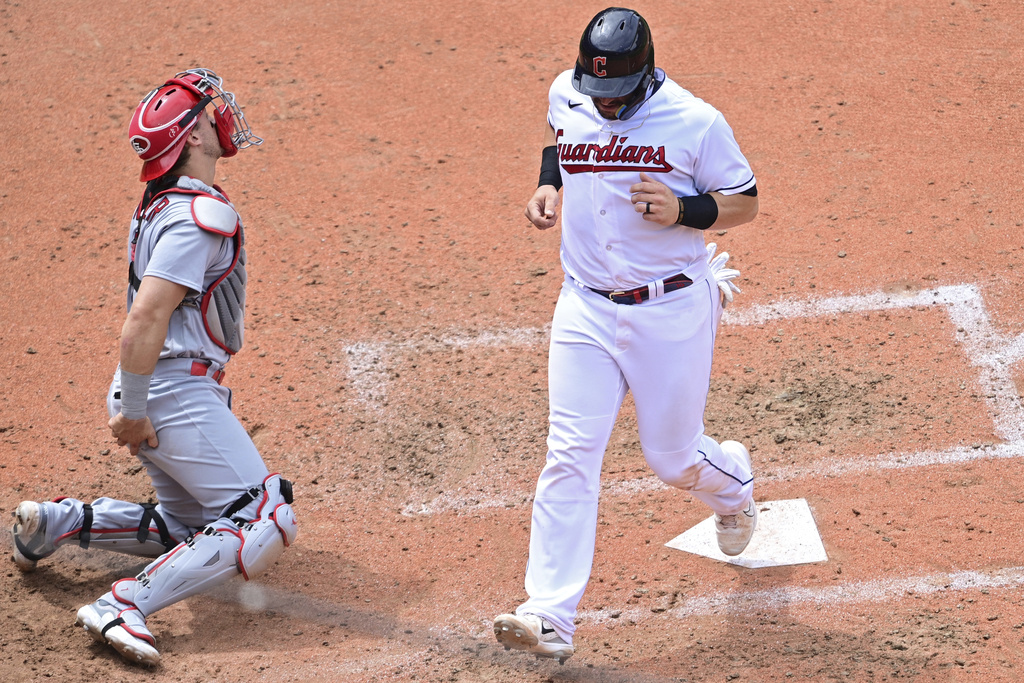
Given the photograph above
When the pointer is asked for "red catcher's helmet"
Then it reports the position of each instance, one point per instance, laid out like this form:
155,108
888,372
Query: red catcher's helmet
160,124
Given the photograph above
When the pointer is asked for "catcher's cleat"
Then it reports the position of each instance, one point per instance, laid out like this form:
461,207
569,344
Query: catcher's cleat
29,535
121,626
532,634
735,531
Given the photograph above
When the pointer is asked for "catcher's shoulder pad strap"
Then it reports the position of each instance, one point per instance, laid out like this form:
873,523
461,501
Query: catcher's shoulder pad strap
214,215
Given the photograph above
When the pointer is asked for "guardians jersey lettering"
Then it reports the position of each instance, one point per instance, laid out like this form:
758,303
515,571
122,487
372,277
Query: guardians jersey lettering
615,156
674,137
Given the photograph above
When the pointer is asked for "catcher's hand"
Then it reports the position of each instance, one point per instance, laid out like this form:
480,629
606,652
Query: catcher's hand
723,276
133,433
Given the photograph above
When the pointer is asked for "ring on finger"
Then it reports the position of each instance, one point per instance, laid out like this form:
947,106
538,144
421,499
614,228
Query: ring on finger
648,208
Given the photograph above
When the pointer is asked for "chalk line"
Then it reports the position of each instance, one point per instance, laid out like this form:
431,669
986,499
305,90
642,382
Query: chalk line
462,500
371,364
993,354
799,597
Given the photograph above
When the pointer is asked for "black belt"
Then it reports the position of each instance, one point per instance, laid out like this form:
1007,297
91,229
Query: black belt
635,296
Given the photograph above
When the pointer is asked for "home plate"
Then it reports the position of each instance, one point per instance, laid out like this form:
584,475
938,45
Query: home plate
786,534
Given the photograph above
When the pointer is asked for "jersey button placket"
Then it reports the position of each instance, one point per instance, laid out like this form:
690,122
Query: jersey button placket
604,218
610,234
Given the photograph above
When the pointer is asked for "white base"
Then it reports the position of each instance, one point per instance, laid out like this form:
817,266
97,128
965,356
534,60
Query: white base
786,534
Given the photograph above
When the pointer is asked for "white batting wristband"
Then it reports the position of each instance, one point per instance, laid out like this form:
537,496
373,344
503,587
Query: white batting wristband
134,394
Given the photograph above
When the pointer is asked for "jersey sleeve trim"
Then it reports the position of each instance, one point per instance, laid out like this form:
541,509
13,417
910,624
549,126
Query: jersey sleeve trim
736,189
193,287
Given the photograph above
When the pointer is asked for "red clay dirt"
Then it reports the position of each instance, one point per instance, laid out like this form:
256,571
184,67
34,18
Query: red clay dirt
396,358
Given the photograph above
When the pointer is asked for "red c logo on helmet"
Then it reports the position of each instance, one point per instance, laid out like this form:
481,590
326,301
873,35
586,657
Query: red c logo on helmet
599,63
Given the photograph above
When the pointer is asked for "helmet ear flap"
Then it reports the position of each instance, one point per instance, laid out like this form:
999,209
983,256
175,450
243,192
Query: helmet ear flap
225,120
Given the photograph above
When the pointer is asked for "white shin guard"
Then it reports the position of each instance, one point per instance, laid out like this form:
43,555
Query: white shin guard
222,549
272,528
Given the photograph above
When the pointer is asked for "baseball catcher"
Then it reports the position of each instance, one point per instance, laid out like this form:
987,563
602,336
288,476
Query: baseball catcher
220,512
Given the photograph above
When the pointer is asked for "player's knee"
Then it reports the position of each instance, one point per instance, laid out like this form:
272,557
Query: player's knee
263,540
562,478
271,529
674,469
677,478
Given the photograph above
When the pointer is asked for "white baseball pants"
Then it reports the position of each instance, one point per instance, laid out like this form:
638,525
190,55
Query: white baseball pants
660,350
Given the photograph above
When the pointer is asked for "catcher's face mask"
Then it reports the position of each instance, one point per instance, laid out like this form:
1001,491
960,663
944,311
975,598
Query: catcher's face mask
233,130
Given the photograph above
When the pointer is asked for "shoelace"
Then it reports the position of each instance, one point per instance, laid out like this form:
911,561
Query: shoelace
730,521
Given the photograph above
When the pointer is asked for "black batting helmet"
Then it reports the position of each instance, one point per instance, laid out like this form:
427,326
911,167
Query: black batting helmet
616,55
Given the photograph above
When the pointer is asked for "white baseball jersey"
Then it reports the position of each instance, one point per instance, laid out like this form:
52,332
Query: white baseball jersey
172,247
675,138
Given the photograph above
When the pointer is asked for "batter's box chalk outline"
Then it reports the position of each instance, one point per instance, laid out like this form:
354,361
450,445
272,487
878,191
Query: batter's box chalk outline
796,598
785,535
373,364
991,353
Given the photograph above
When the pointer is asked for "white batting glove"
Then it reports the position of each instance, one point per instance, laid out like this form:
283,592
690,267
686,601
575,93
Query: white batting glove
723,276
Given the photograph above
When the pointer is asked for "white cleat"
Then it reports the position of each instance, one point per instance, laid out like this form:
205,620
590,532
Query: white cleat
29,535
532,634
735,531
122,627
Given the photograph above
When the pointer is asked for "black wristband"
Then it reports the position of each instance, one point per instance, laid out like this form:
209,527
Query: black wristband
698,212
550,173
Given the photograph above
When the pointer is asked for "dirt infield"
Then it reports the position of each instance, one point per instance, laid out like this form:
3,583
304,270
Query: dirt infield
395,366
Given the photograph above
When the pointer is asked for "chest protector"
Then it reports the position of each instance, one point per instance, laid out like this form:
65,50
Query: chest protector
223,303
